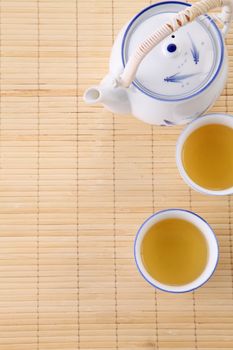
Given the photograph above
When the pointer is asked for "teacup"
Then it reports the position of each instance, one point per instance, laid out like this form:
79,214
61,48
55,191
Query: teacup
196,221
222,121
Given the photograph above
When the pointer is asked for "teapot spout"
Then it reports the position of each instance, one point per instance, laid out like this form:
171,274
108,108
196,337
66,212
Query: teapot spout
93,95
113,97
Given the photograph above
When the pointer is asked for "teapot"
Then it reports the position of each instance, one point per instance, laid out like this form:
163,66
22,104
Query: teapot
168,64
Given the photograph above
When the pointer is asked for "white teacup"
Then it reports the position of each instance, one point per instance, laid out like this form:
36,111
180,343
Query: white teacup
202,225
222,119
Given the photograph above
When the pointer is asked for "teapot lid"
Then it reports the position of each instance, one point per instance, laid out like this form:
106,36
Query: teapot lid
181,66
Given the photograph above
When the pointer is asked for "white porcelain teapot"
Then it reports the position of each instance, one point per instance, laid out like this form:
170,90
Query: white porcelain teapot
168,64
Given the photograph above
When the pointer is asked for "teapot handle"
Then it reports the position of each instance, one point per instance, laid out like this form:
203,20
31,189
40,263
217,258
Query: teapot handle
180,19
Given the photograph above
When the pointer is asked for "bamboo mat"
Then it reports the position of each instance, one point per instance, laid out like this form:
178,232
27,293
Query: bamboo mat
76,182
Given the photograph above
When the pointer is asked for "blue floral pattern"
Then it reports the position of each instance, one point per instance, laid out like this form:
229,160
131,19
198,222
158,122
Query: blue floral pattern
194,51
178,78
168,122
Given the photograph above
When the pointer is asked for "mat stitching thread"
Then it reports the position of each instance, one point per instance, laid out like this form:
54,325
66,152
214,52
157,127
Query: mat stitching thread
114,205
193,292
77,188
153,204
38,177
229,208
230,239
0,91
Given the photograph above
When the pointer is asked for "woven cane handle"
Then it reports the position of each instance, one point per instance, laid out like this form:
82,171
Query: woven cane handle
180,19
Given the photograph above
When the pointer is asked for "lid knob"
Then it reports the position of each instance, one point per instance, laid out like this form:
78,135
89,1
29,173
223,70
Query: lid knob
171,48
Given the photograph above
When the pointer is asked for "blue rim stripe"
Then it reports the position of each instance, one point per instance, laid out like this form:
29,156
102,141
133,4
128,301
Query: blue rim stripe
164,211
178,99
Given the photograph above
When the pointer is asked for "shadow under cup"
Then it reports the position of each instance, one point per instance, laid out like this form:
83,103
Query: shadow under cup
197,124
204,228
